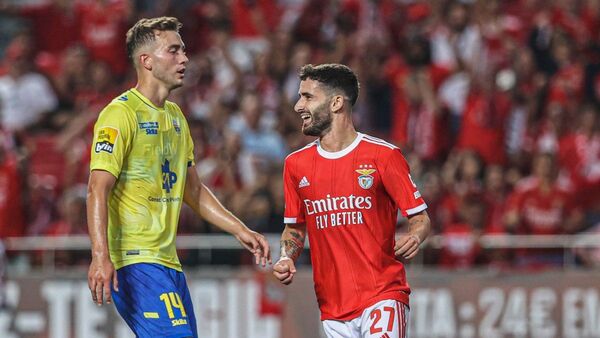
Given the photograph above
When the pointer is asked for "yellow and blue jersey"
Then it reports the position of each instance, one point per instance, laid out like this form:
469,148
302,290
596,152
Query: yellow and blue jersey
148,149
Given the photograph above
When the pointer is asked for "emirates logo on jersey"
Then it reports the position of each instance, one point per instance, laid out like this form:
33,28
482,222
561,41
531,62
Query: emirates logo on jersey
334,211
365,180
335,203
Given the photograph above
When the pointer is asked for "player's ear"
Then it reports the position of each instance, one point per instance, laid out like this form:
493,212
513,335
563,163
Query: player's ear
145,61
337,102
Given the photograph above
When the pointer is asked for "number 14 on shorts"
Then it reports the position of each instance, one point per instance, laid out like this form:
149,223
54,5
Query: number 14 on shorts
172,300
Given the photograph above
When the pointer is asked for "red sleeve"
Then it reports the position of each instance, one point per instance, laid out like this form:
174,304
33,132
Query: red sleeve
294,213
400,186
514,201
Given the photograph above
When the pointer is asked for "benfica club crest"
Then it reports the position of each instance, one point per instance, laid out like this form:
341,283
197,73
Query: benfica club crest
365,180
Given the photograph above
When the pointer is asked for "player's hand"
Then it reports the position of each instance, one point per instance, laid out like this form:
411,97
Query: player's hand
257,245
407,246
284,270
101,274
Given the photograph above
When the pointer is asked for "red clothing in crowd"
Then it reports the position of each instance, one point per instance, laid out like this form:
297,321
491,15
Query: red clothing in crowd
566,85
429,138
495,209
53,28
540,212
244,24
103,28
578,154
11,209
460,248
483,124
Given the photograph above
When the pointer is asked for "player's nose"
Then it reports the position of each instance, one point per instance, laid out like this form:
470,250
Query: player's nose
299,107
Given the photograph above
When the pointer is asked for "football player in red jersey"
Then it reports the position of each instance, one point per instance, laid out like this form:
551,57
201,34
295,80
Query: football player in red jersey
344,190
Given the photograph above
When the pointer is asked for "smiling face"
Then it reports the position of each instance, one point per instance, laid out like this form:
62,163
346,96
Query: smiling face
167,58
314,108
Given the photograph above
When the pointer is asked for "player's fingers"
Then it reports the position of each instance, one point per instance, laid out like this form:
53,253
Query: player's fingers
399,243
263,261
115,282
281,275
92,285
90,282
412,254
106,290
292,267
403,249
254,243
407,250
288,280
249,243
410,250
266,249
281,268
98,291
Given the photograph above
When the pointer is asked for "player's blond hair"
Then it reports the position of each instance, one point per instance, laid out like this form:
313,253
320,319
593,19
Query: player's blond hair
143,32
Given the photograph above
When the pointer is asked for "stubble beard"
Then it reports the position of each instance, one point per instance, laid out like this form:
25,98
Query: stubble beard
172,82
321,121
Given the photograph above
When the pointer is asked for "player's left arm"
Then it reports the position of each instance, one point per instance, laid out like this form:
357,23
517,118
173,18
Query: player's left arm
207,206
403,190
419,226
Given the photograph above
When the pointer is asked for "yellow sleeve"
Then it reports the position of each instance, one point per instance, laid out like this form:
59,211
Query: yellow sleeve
190,149
190,142
113,133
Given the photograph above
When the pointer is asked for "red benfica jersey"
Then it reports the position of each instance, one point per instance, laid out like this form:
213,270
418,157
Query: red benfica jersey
349,201
541,213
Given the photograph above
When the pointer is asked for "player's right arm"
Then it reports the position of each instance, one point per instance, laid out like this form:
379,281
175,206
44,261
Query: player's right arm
112,140
294,234
292,243
101,271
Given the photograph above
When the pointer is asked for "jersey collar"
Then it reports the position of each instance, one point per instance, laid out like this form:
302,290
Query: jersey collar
145,99
338,154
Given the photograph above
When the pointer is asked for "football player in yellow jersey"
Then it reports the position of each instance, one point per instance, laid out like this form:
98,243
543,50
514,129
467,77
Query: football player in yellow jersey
142,170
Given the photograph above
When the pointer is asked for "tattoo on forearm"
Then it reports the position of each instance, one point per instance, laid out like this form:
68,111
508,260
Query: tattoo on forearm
418,226
415,221
292,247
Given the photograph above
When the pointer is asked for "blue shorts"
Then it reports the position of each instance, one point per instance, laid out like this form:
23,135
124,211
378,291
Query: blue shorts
154,301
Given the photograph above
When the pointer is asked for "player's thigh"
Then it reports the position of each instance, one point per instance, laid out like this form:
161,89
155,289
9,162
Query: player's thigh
386,319
186,300
150,302
342,329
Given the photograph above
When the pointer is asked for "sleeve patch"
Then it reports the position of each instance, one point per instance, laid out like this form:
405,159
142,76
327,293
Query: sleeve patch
106,139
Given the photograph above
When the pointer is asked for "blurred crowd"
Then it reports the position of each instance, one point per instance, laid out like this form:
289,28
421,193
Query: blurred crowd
495,105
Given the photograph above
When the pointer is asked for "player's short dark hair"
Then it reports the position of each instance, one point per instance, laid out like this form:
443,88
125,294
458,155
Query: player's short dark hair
334,76
143,32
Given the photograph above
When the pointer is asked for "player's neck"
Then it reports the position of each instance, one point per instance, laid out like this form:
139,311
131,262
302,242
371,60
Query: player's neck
153,91
339,137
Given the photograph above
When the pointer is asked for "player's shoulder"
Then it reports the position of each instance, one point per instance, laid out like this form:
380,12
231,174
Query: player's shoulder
124,102
300,153
173,107
378,144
